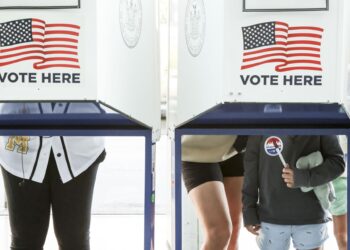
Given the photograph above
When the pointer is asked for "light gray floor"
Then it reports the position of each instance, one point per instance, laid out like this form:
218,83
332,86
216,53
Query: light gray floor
108,232
124,232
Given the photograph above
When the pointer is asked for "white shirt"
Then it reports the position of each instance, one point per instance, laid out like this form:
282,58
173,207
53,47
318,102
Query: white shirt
27,156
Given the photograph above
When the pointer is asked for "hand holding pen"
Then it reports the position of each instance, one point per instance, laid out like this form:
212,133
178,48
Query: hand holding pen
287,172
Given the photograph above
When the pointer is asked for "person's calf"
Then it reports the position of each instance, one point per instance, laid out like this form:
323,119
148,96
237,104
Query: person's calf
236,226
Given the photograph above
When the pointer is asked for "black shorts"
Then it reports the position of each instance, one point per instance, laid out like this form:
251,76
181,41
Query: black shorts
195,174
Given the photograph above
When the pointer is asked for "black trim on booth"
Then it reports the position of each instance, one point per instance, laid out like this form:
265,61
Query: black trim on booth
40,108
245,9
77,6
66,108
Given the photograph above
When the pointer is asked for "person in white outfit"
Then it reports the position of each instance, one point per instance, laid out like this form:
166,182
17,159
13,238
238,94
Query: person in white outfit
44,173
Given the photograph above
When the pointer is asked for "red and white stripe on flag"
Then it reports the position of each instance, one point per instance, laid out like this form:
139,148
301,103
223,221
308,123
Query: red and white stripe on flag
296,48
53,45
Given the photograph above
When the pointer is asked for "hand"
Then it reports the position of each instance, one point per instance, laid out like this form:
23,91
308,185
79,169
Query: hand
253,229
288,176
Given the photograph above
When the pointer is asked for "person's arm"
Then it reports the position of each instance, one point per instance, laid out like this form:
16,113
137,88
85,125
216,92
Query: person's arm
332,166
250,192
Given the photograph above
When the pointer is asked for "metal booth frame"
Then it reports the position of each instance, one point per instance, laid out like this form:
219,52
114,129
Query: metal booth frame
253,119
105,124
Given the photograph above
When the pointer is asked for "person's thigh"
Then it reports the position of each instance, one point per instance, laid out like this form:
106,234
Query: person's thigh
71,209
234,166
211,206
306,237
232,170
29,212
195,174
274,237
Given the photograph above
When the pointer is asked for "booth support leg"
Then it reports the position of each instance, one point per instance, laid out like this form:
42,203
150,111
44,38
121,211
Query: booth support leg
176,193
149,214
348,171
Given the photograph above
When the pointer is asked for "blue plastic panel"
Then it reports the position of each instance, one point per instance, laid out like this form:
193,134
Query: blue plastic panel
257,114
103,123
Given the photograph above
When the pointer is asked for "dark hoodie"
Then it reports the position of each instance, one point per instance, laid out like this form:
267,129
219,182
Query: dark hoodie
266,198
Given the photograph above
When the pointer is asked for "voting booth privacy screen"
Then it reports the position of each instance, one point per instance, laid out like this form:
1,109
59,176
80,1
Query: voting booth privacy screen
260,51
47,54
82,50
128,58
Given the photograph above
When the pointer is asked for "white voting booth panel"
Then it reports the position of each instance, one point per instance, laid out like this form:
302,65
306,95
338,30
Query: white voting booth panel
346,89
128,60
82,50
259,51
48,54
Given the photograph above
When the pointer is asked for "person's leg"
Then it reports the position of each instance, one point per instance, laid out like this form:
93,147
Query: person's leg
210,202
340,230
233,188
71,209
338,210
232,170
204,182
29,212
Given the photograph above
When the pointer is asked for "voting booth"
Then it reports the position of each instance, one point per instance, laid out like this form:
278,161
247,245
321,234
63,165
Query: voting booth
248,51
257,67
87,52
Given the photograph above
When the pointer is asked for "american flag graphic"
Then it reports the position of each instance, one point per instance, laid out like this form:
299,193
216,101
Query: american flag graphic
48,45
290,47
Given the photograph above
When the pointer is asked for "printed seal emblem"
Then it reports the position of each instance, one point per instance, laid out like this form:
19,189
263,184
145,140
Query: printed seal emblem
195,26
130,20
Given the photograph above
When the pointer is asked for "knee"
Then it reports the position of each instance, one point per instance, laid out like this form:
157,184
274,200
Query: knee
219,236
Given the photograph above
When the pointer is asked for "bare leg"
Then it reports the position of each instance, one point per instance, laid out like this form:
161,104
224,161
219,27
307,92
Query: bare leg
233,187
341,231
212,210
